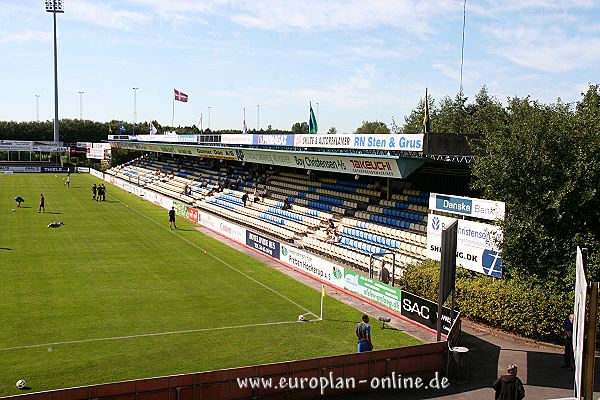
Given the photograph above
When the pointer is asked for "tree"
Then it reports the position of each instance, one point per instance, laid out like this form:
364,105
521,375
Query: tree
374,127
332,131
300,128
542,163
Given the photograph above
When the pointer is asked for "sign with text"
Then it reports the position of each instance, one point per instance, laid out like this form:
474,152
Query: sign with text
273,140
467,206
424,312
263,244
477,244
373,290
198,151
16,145
312,265
408,142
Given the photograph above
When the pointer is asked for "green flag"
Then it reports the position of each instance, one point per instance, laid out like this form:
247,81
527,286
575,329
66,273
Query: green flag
312,122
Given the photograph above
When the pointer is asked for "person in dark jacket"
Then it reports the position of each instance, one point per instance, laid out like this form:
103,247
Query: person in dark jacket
509,387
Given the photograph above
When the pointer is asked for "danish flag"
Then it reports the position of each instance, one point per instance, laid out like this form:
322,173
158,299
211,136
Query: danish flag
180,96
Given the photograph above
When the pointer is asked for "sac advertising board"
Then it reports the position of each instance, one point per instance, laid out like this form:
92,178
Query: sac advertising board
373,290
476,244
425,312
312,265
467,206
407,142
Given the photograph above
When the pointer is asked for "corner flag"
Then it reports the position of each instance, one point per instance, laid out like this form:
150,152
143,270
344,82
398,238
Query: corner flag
312,122
322,295
426,117
323,292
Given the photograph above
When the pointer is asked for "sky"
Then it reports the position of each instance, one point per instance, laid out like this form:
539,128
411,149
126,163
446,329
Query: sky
355,60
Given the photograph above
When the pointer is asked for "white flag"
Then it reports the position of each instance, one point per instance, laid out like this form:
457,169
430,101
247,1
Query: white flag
152,129
199,123
244,128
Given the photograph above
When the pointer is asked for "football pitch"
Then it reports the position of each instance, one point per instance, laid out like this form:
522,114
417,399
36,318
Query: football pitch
115,295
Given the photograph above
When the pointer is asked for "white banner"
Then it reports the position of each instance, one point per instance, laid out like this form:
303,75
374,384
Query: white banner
343,164
222,226
123,184
198,151
95,152
468,206
51,148
312,265
230,138
83,169
579,321
408,142
476,244
97,174
15,145
19,168
84,145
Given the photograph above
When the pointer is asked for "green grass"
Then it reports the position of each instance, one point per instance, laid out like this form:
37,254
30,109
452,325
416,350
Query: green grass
115,269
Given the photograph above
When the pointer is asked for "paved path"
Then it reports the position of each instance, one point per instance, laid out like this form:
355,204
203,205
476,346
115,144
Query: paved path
490,351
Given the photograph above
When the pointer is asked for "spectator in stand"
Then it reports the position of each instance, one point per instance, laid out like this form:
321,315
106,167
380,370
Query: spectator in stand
330,226
255,194
286,204
245,198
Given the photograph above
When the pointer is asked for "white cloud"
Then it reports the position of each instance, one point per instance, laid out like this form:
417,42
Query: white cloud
25,36
104,14
311,15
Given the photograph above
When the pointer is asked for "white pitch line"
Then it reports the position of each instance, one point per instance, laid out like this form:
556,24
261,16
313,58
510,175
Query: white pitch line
142,335
221,260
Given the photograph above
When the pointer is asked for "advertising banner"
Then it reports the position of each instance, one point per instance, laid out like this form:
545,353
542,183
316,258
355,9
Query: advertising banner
476,248
408,142
424,312
192,214
94,152
97,174
226,228
468,206
198,151
50,148
84,145
373,290
263,244
17,168
273,140
83,169
232,138
333,163
125,185
15,145
312,265
158,199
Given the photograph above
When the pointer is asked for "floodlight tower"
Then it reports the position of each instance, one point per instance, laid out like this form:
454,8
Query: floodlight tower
55,6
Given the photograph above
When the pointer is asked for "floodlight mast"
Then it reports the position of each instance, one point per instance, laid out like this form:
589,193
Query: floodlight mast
55,6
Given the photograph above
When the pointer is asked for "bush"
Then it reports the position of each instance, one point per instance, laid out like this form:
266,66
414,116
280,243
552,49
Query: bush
532,309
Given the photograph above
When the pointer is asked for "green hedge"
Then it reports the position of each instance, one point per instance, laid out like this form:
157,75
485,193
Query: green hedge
534,310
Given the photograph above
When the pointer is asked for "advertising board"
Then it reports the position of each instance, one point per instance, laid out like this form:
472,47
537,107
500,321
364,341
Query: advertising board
467,206
477,244
401,142
373,290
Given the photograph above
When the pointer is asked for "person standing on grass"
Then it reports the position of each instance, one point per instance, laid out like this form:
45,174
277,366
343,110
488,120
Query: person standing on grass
19,200
363,331
103,192
68,181
94,190
172,218
42,201
509,387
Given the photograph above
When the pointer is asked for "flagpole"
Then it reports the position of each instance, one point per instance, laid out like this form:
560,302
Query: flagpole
173,117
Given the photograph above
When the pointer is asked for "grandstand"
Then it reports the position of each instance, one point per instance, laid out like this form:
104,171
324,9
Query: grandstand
367,222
